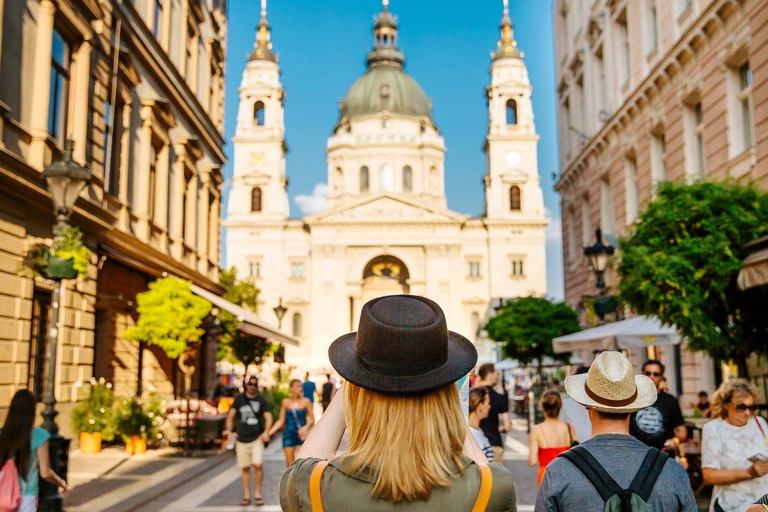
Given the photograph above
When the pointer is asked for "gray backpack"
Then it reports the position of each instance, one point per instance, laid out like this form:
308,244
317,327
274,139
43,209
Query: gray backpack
633,499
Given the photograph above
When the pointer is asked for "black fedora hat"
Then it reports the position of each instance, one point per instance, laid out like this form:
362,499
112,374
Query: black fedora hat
402,345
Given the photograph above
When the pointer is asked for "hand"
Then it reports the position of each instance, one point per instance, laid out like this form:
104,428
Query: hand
758,469
683,462
265,437
303,432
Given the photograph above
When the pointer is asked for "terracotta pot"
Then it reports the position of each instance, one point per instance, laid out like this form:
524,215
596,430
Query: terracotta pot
136,444
90,443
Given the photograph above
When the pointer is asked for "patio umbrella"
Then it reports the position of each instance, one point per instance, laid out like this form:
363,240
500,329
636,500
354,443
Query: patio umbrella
640,331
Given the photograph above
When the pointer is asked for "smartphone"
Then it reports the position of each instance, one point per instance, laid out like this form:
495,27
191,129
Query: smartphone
758,457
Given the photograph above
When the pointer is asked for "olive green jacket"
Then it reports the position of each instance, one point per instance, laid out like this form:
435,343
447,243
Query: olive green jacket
344,492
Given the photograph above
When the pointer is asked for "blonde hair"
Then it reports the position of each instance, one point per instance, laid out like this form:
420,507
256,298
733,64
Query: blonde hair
725,394
409,443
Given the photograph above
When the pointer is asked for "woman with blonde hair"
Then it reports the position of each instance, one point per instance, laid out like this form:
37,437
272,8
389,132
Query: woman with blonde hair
734,450
409,446
551,437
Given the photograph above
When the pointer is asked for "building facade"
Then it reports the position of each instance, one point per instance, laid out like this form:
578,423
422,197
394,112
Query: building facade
650,91
139,87
387,228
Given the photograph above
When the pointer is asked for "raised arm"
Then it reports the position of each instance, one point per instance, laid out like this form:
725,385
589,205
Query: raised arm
323,441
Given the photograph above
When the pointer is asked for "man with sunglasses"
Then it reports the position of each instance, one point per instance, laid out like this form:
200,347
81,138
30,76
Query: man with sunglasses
254,419
661,425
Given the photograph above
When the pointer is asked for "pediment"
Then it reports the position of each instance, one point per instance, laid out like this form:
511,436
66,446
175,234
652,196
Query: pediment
385,209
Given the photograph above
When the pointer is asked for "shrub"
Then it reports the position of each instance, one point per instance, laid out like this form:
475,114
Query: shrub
96,413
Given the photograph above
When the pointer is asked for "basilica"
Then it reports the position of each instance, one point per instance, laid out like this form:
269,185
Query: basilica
387,228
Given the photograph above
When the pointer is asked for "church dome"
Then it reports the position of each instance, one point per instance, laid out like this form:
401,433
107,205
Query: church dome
385,87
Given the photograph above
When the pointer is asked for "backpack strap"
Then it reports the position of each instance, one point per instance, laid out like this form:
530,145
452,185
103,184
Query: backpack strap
649,472
486,484
595,473
314,486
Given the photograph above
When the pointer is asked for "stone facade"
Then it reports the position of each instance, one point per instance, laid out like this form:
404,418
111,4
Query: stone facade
387,228
652,90
139,87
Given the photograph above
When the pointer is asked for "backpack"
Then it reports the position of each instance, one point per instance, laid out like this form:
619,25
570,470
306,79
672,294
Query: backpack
10,489
632,499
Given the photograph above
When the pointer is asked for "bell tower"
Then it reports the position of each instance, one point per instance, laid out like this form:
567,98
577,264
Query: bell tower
512,189
259,186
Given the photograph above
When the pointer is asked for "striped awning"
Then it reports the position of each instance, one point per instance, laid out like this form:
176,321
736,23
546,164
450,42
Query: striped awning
754,269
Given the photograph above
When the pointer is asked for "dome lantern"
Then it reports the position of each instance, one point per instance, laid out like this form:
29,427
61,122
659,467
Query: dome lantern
262,49
507,45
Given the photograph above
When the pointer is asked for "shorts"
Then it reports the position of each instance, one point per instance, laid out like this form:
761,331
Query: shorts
249,454
291,438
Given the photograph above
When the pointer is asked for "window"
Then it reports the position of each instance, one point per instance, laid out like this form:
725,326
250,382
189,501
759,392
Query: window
153,161
515,203
567,133
622,43
473,269
652,27
630,189
256,199
573,248
38,342
474,321
517,267
113,120
254,269
57,106
599,85
745,104
579,122
694,139
659,157
407,179
258,113
511,112
157,18
364,179
297,324
606,205
297,269
386,178
586,221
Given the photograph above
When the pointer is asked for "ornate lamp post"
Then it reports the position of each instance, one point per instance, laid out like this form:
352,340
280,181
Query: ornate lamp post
280,313
66,179
598,257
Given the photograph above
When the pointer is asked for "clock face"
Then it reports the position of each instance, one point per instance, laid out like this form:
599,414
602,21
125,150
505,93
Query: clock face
257,158
513,158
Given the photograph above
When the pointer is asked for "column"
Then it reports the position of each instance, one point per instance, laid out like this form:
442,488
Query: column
125,143
178,190
81,89
214,216
191,213
203,227
41,83
141,191
161,195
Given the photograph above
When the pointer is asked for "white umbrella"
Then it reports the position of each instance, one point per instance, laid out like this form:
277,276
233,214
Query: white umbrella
640,331
547,362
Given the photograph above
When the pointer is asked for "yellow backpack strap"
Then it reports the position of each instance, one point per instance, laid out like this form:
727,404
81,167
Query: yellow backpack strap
314,486
486,484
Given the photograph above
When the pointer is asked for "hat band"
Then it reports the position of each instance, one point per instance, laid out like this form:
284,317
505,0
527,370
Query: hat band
607,401
401,368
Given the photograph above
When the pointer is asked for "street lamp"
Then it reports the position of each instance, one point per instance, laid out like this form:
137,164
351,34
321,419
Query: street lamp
598,256
280,313
66,179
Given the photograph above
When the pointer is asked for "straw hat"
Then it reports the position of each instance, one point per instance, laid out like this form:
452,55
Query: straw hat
612,386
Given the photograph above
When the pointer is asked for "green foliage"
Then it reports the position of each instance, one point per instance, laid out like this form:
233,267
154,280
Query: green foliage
170,316
681,262
527,326
275,396
139,417
69,245
235,345
96,413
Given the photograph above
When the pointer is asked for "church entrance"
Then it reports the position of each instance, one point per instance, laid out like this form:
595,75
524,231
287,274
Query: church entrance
384,275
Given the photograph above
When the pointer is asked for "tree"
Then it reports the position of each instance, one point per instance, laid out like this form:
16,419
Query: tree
234,344
170,316
682,259
527,326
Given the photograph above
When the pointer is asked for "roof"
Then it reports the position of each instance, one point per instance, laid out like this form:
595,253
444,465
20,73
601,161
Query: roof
386,87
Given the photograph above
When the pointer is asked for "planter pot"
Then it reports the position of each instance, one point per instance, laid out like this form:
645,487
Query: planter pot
60,268
90,443
136,444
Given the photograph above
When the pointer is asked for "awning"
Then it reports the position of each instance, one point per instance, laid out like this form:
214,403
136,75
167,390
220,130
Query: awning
250,323
546,362
754,268
640,331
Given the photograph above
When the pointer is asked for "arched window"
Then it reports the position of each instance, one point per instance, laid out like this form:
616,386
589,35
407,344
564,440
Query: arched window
475,320
407,179
256,199
364,179
258,113
515,203
386,178
297,324
511,112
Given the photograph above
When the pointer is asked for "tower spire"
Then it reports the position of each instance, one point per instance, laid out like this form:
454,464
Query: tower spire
507,44
262,49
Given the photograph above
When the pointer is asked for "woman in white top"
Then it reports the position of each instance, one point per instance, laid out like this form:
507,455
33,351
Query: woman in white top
479,407
729,442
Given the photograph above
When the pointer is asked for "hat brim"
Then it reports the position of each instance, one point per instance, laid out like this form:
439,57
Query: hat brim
462,357
646,394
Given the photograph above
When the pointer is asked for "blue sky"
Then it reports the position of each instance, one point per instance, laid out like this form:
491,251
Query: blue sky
322,48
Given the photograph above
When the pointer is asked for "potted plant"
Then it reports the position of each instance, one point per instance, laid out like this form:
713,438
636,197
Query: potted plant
138,420
66,259
93,418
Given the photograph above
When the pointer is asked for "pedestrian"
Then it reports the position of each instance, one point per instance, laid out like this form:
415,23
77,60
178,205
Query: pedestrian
297,417
479,407
760,505
254,419
328,390
611,391
488,377
27,446
731,447
309,389
701,408
551,437
576,414
661,425
409,446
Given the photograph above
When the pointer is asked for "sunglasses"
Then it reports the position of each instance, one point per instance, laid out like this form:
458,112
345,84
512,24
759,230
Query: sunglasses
744,407
252,384
655,374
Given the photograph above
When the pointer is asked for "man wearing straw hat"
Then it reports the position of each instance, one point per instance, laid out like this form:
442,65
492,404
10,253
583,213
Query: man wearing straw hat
611,392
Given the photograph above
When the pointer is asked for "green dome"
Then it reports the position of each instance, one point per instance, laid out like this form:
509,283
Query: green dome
385,87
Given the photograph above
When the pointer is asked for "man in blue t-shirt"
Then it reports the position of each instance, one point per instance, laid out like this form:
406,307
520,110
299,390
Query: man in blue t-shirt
309,388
